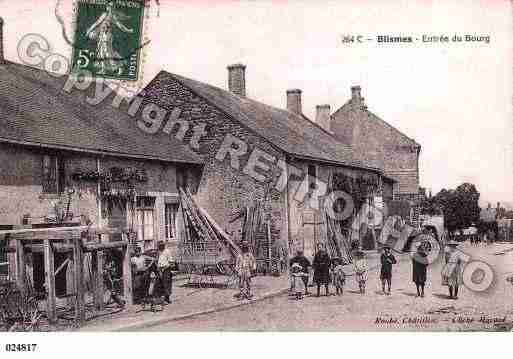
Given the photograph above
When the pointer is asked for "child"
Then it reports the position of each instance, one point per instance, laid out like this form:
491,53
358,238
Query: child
360,268
387,260
339,277
297,274
245,267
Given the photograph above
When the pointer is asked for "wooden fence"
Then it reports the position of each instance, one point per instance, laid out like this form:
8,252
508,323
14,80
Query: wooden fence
75,241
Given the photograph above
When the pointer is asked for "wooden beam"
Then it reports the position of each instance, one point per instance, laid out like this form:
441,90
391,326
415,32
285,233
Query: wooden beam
99,284
42,230
70,281
50,282
57,247
97,268
27,230
78,261
127,273
21,275
101,246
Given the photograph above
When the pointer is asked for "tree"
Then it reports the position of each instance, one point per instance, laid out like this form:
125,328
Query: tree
460,206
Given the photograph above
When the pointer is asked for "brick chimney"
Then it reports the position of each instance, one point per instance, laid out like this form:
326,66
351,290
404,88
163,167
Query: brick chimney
322,116
2,59
356,98
294,101
237,79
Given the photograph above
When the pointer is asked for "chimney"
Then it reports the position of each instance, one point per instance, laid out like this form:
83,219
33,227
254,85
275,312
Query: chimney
322,116
2,59
356,98
294,101
237,79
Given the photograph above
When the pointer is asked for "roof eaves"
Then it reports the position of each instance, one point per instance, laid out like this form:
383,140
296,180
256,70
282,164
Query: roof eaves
318,159
98,151
338,163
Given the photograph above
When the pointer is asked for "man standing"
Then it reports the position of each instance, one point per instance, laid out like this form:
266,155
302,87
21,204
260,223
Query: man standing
164,264
301,260
387,260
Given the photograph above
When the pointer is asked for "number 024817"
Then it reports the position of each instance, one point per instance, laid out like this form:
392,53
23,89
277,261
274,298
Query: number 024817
20,347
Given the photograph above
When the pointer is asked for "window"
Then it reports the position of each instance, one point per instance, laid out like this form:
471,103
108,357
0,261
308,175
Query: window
312,176
53,174
145,208
171,211
4,264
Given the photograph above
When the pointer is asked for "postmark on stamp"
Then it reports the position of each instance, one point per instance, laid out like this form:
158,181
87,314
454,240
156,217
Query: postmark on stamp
108,38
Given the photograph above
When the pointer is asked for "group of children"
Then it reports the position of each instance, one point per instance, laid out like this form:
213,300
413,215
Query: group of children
299,272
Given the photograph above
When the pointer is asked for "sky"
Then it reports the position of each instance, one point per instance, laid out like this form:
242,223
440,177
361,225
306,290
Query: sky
455,99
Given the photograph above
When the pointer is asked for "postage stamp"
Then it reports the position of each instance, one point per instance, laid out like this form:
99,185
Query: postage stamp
108,38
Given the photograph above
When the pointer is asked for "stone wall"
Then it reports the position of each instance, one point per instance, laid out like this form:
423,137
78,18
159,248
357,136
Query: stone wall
374,140
21,186
224,189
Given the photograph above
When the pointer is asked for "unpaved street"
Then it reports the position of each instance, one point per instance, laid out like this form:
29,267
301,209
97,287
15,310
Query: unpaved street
352,311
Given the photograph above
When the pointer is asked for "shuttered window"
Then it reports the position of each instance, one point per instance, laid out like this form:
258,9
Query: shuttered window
145,213
53,174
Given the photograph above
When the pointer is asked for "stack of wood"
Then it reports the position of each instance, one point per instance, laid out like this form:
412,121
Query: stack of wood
338,245
259,233
200,228
252,218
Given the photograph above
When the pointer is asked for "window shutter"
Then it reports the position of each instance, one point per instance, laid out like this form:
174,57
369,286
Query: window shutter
61,182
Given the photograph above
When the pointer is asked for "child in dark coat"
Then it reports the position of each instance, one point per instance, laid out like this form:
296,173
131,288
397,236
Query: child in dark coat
339,276
387,260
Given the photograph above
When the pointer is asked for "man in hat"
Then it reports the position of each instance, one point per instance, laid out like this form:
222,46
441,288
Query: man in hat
164,263
451,272
245,266
387,260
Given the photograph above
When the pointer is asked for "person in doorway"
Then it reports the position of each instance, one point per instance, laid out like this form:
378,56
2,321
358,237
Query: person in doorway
321,265
165,263
300,259
451,273
387,260
360,269
419,269
245,266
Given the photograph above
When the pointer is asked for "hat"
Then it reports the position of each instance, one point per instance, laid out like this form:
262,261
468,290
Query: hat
387,246
453,243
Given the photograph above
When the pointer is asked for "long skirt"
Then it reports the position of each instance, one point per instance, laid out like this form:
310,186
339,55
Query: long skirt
451,274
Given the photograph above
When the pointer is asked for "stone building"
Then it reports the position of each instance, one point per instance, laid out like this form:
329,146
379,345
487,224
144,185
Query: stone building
54,145
374,139
257,153
230,150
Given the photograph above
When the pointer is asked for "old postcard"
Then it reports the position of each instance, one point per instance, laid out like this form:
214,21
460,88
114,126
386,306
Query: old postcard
295,166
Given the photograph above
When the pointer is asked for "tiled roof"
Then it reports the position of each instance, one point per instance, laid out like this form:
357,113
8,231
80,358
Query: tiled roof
35,110
295,135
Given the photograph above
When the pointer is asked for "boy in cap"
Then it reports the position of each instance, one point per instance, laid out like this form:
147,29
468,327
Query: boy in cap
387,260
244,267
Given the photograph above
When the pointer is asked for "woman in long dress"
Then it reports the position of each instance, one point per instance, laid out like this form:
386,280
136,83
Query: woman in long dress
419,269
451,273
321,265
107,58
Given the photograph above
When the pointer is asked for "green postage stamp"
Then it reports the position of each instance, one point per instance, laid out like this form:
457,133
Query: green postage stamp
108,38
